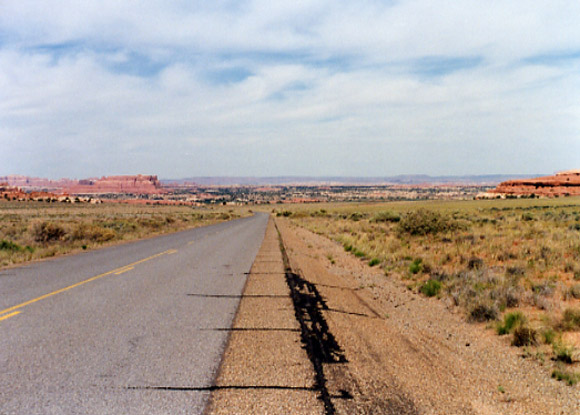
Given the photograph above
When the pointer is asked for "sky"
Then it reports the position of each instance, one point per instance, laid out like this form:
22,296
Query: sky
277,88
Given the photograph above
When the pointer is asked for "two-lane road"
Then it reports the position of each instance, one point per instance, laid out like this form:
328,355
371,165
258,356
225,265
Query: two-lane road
134,329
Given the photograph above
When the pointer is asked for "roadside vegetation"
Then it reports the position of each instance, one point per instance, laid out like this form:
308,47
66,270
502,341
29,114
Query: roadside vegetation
511,265
34,230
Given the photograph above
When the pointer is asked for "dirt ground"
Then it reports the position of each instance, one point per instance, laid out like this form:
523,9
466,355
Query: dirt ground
364,344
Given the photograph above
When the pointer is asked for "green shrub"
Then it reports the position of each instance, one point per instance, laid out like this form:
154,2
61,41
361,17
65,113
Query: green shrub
322,213
94,233
549,336
562,352
48,232
374,261
416,266
569,377
483,311
427,222
510,322
524,336
358,253
10,246
386,216
431,288
356,216
571,319
347,247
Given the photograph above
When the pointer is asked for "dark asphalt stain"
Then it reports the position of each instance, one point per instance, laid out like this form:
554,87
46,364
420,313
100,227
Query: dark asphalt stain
320,344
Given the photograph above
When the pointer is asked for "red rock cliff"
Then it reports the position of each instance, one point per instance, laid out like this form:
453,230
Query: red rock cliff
566,183
138,184
36,183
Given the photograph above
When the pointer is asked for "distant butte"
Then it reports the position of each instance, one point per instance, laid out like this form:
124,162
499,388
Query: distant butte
133,185
139,184
566,183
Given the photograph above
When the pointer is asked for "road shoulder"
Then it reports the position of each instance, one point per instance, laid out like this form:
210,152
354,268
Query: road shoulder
265,368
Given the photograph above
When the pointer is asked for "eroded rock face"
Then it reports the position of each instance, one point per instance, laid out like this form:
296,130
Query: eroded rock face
138,184
36,183
566,183
12,193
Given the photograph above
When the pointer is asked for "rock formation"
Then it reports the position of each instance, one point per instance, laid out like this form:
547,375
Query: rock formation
136,185
13,193
36,183
566,183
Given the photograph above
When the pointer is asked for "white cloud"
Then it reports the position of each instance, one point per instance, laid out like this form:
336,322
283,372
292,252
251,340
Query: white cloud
263,87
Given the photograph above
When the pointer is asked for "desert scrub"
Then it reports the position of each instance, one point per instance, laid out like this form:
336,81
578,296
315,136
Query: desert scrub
416,266
571,378
524,336
12,247
483,311
562,352
431,288
385,216
34,230
510,322
570,319
487,256
46,232
427,222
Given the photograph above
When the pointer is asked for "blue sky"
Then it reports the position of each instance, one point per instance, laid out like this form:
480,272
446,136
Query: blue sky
267,88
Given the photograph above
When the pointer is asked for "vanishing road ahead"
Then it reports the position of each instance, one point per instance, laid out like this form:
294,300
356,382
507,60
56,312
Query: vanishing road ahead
133,329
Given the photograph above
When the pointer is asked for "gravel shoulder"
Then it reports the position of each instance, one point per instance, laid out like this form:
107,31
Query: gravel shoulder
265,369
406,354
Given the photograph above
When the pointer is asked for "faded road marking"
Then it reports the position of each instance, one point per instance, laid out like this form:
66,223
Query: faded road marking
123,270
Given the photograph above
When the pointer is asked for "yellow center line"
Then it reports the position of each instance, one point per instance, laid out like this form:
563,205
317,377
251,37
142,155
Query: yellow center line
96,277
123,270
7,316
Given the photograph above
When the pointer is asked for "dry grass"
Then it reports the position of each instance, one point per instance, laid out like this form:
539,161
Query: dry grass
486,257
34,230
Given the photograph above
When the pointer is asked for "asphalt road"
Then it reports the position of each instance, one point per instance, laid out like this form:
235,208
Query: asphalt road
135,329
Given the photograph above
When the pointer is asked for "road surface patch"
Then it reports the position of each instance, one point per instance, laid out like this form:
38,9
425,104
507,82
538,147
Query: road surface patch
116,271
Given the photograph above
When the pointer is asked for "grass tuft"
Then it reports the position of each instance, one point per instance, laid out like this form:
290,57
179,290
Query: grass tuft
510,322
482,312
564,376
571,319
524,336
416,266
431,288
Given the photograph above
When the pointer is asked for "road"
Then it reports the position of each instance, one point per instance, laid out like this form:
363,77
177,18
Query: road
133,329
